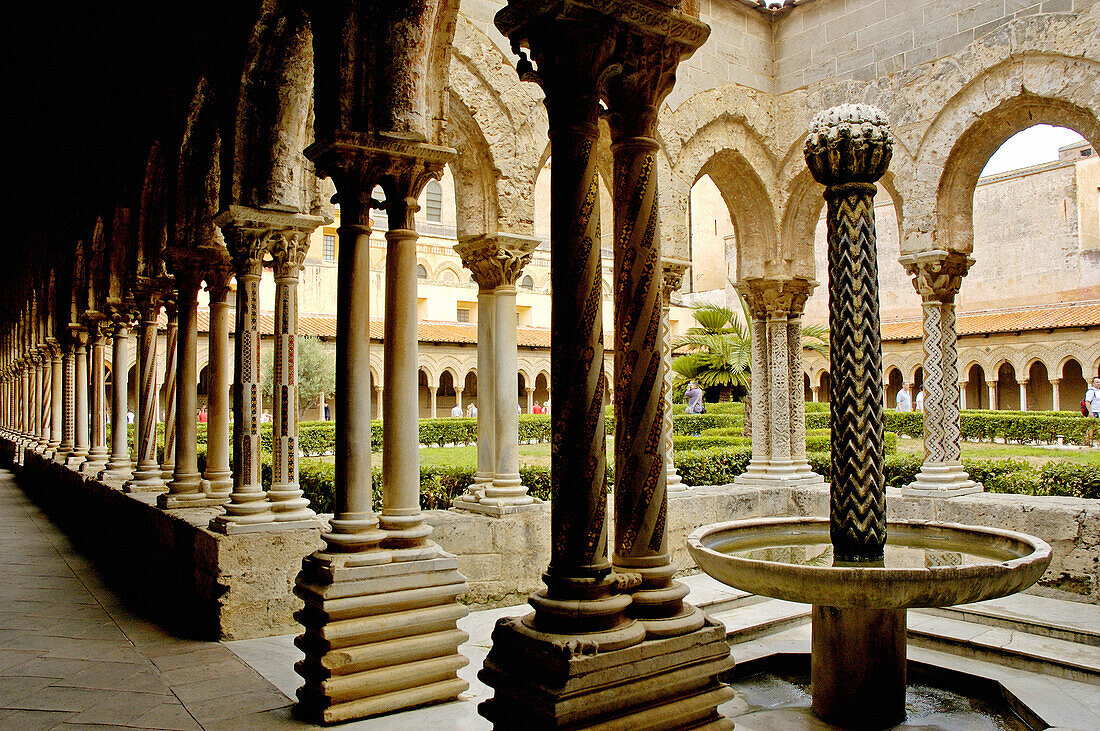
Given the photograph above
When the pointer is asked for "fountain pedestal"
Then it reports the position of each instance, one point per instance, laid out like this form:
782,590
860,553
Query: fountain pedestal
857,670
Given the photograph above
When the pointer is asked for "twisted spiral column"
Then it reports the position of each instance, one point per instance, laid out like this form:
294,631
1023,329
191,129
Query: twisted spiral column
147,473
56,398
848,149
45,398
171,347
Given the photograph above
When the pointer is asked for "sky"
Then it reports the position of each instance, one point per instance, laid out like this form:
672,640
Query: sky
1034,145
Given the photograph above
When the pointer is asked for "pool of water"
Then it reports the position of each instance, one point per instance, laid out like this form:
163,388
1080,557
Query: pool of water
782,701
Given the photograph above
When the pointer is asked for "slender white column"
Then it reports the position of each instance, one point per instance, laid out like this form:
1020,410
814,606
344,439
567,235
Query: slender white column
119,465
673,271
431,402
1055,393
56,398
285,495
98,452
962,394
1023,393
80,401
458,399
217,478
530,399
147,473
991,389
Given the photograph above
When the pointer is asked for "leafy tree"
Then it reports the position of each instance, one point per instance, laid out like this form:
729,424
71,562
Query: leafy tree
316,372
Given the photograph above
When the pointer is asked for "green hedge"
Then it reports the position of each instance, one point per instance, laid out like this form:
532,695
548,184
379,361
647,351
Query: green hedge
817,440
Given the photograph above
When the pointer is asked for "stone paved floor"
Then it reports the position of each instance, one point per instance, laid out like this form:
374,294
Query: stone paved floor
72,656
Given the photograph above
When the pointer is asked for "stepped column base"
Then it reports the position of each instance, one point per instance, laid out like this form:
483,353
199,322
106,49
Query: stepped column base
380,635
498,507
943,480
552,681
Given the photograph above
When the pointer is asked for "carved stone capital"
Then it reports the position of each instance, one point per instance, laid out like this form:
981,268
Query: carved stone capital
358,162
251,233
850,143
191,264
672,272
781,297
289,254
937,275
496,260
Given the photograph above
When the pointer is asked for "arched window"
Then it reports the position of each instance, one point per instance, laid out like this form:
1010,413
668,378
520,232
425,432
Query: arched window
434,207
527,282
421,272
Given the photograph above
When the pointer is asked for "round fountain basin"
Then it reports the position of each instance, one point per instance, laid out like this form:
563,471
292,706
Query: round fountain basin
927,564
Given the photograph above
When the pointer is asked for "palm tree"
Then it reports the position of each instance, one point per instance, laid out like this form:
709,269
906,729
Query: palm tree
721,350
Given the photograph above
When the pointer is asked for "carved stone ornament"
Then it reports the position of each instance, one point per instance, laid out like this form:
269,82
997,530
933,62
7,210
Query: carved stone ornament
250,233
937,275
496,260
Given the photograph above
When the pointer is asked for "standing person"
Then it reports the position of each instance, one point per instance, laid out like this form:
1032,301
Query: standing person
546,407
920,400
903,403
328,413
456,411
473,411
536,409
694,396
129,417
1092,398
202,416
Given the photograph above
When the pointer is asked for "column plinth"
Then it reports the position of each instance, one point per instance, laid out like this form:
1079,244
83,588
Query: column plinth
368,570
937,276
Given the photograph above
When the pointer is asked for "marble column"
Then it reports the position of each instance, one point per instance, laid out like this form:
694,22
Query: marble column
962,394
673,270
780,466
285,494
378,400
171,349
189,266
1055,394
530,399
98,453
80,399
249,234
1022,383
119,466
68,424
805,474
847,150
57,395
353,580
496,262
816,391
757,468
991,389
431,402
458,399
937,277
584,56
147,473
217,477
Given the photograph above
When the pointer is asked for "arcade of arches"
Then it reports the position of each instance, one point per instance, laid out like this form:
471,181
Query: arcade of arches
190,174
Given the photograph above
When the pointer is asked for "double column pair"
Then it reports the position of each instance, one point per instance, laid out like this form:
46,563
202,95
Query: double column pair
937,277
496,262
621,616
251,236
778,402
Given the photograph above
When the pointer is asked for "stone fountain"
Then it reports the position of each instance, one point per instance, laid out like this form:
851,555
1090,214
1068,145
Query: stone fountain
860,578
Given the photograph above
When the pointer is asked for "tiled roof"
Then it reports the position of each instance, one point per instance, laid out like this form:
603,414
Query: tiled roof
1039,317
324,326
1018,319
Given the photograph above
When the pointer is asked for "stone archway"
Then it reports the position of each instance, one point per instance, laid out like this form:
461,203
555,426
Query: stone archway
977,394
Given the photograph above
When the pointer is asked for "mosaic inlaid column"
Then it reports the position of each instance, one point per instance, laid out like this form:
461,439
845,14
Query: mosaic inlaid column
673,270
780,464
353,581
641,498
497,261
147,472
217,477
285,495
68,424
758,387
937,277
805,474
189,266
171,348
249,235
582,54
119,466
57,395
98,453
847,150
469,250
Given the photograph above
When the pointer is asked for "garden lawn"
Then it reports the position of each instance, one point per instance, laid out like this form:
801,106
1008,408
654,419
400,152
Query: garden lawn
1036,456
537,455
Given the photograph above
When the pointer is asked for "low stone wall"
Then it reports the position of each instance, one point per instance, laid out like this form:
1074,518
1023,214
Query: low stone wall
207,585
167,565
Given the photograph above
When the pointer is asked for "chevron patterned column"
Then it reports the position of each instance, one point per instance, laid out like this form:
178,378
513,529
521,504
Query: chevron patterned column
848,149
937,277
673,270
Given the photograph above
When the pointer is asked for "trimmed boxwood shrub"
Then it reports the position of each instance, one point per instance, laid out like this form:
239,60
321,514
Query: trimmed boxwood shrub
712,466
